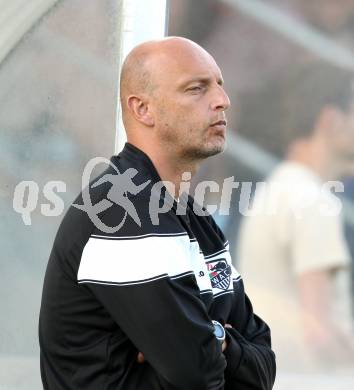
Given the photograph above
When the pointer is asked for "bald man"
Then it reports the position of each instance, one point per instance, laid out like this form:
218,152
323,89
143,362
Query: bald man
153,303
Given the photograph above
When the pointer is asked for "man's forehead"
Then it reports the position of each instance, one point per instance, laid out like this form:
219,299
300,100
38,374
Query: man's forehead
173,60
186,66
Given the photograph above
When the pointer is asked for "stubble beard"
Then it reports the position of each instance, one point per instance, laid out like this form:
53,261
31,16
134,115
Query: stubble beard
203,151
189,150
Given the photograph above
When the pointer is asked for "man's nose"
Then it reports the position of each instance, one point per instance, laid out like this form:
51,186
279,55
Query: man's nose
221,101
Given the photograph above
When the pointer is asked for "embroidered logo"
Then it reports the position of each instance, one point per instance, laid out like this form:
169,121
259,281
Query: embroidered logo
220,274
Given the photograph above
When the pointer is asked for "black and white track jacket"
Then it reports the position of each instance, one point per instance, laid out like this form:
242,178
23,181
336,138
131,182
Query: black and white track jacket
152,288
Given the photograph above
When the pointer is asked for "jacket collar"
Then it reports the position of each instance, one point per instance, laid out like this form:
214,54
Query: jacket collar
132,156
138,160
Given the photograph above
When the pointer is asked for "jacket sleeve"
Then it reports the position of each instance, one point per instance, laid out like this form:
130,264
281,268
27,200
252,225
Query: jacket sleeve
250,359
167,322
159,309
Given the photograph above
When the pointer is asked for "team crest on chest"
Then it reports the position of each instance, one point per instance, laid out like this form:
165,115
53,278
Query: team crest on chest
220,274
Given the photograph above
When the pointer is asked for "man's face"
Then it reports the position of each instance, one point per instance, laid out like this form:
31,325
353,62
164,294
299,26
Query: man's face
189,103
331,16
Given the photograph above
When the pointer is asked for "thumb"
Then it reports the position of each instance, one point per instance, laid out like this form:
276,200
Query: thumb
140,358
228,326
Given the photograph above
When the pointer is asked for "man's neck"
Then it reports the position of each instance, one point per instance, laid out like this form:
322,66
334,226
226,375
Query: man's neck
171,168
314,155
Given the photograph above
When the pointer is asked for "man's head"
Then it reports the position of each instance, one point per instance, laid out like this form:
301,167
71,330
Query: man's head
333,17
318,107
305,114
173,99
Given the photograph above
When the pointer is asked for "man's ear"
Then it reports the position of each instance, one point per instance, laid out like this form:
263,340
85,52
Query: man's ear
139,109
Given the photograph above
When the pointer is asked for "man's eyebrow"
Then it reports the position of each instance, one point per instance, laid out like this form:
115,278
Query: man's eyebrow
202,80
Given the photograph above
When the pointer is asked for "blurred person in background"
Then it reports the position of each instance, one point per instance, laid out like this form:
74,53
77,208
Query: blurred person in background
291,249
333,18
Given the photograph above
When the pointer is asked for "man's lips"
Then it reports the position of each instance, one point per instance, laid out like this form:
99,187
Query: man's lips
219,127
219,123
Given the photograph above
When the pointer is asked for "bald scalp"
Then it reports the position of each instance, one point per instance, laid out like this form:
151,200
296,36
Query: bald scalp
139,74
136,77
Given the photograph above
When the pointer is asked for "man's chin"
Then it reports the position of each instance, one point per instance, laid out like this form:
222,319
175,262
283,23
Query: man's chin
217,147
216,150
205,152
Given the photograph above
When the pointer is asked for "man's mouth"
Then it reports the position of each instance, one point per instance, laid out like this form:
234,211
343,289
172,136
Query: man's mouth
219,127
219,123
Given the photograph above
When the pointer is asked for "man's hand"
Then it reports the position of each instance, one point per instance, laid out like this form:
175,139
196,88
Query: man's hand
141,358
224,344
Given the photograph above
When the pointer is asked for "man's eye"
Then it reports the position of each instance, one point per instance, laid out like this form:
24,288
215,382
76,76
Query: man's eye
196,88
